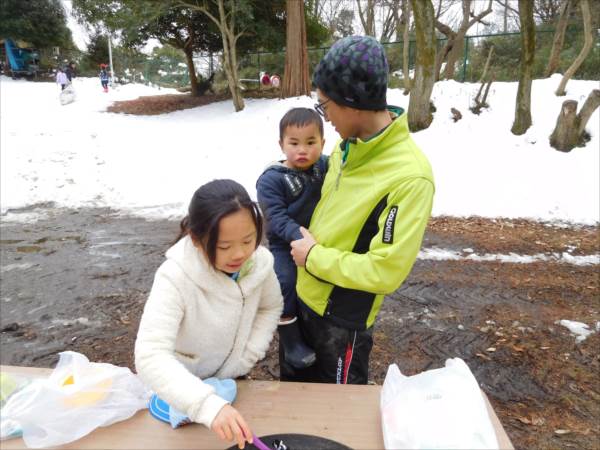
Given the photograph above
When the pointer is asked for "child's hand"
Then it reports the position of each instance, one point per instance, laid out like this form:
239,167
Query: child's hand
229,425
301,247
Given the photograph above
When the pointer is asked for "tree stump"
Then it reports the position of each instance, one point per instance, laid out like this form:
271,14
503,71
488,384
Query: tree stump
570,126
564,136
456,114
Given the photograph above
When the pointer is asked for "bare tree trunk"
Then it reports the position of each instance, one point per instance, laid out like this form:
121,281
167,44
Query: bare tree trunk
367,17
591,104
523,103
441,55
189,59
296,79
482,102
559,38
570,126
226,24
487,63
399,20
454,53
389,23
406,46
419,112
456,39
185,45
587,46
230,59
487,90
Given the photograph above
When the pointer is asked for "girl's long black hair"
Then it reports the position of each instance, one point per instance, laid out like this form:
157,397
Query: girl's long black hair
210,203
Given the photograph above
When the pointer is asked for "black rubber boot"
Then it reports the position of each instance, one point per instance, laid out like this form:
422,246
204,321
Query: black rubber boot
295,351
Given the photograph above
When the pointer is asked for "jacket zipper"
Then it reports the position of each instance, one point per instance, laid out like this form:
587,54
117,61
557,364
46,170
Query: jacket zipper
237,328
327,311
342,164
328,306
337,184
339,175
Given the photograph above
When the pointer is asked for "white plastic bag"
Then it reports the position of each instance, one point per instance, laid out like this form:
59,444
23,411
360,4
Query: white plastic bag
67,95
78,397
437,409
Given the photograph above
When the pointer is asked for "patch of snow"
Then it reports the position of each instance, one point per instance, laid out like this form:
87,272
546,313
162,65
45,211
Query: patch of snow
79,320
10,217
10,267
440,254
579,329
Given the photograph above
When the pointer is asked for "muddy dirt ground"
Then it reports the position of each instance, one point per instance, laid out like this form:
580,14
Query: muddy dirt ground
78,279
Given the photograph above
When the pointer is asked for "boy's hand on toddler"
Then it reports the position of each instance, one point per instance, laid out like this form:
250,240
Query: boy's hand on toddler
301,247
229,425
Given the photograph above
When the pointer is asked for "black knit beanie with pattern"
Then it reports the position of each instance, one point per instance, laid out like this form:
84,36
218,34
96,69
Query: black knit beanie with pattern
354,73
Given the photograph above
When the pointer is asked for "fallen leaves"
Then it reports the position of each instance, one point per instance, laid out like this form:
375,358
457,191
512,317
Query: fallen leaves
561,432
536,421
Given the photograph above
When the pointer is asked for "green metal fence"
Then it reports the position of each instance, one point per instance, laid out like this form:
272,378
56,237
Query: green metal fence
468,68
170,70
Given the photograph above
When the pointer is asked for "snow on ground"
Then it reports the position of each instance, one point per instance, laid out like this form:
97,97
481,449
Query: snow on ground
579,329
441,254
481,168
79,155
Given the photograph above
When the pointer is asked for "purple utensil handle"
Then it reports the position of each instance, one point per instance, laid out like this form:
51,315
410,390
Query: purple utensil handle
260,445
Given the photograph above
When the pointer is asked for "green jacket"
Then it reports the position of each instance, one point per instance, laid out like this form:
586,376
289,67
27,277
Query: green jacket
369,225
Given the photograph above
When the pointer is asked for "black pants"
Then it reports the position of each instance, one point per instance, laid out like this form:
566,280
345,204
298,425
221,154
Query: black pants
342,353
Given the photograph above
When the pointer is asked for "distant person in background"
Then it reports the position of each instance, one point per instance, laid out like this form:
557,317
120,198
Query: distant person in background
104,77
61,78
70,71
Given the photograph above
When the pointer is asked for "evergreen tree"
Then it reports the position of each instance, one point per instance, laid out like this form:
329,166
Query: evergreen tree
42,23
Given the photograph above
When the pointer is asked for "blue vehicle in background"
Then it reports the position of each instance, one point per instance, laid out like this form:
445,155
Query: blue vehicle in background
20,61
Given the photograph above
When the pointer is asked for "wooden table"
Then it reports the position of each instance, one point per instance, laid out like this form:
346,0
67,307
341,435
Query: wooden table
269,407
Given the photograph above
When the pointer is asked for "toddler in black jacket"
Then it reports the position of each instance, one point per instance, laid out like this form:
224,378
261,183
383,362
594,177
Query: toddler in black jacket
288,192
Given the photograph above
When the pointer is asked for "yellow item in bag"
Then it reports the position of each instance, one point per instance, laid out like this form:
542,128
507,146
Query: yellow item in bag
8,385
88,395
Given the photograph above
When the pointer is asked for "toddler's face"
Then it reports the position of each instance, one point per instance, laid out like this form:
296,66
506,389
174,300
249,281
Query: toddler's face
302,146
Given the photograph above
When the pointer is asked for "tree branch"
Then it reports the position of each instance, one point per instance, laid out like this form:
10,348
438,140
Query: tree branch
444,29
481,15
202,9
507,6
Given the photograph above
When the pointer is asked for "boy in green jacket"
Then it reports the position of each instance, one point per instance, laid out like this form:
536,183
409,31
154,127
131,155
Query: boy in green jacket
367,229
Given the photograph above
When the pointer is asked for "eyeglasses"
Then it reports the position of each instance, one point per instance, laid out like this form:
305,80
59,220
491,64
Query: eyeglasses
319,107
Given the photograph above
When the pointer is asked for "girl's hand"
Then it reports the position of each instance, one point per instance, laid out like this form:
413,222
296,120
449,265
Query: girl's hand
229,425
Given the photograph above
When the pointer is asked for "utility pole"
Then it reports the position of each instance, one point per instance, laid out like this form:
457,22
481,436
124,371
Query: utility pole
112,72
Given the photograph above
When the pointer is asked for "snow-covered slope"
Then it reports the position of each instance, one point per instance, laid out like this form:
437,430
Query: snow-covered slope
79,155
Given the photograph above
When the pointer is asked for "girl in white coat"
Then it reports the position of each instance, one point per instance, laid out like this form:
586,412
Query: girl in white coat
214,306
61,78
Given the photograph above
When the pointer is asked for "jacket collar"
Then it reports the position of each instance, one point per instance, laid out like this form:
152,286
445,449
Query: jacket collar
358,150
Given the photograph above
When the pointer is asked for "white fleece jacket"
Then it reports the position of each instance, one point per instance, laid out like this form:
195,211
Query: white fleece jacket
198,323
